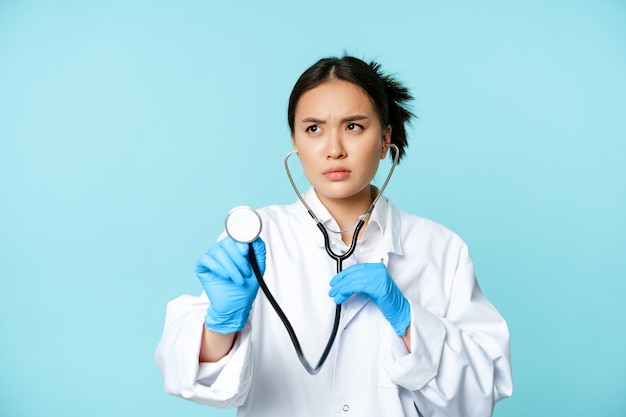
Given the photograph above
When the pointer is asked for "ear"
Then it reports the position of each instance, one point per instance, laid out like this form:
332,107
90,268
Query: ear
386,141
293,141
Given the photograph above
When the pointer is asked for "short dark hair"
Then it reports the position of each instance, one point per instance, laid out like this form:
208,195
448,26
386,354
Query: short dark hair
390,98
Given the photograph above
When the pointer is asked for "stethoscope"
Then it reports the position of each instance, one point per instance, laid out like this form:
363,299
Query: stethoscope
244,224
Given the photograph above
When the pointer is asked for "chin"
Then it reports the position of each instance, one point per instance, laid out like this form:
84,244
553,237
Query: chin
343,193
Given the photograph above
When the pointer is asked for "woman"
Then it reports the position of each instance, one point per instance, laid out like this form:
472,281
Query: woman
416,335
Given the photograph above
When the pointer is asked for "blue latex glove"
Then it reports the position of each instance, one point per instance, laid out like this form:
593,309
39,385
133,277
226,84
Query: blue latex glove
373,280
229,282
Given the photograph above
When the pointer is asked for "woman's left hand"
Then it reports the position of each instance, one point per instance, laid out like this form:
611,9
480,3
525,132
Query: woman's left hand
373,280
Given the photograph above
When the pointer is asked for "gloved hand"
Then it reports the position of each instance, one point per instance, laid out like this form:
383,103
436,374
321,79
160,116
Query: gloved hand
373,280
229,282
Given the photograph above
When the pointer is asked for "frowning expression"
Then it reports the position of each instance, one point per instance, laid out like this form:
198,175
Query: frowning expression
340,140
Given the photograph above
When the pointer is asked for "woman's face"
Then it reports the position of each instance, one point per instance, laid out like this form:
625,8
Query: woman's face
339,139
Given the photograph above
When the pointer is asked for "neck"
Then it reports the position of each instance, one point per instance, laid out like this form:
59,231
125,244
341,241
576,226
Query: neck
346,211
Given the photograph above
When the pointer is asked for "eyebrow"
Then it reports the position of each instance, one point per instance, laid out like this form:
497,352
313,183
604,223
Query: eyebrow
348,119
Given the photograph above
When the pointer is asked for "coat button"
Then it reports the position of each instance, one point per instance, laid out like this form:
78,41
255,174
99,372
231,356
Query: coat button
345,407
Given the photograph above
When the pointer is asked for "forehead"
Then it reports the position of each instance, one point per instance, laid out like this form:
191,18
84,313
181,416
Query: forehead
335,96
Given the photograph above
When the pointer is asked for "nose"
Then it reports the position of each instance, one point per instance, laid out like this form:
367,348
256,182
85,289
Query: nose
335,147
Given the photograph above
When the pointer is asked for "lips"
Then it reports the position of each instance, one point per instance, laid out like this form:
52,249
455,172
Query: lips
337,173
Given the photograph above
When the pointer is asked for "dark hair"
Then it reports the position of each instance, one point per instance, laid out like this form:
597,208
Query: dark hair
388,95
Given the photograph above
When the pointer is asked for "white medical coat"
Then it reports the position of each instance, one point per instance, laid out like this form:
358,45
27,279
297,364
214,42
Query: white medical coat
459,361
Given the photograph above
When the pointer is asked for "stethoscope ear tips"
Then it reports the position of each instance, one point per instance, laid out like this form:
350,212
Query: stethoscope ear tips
243,224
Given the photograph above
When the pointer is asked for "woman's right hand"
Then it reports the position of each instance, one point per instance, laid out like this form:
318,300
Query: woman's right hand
229,282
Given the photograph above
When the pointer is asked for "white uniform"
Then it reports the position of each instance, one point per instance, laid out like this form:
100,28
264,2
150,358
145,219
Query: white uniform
459,362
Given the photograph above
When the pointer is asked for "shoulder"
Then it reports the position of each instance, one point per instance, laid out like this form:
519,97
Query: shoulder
415,229
281,218
279,213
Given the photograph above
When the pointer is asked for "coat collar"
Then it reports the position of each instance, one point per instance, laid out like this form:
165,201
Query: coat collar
385,217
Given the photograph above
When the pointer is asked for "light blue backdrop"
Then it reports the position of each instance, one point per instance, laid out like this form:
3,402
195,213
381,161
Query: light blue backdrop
129,129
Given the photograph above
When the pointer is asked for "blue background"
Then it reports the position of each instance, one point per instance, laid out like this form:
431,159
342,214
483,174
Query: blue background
129,129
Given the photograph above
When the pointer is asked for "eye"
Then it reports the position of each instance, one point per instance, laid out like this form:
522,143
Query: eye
354,127
313,129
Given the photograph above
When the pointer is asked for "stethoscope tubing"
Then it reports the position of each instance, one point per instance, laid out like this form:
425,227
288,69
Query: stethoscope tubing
339,258
283,317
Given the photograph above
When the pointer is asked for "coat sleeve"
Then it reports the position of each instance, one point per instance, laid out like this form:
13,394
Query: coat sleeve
223,384
459,363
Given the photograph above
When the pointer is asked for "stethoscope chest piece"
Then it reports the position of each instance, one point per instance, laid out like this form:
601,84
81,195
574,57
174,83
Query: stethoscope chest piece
243,224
